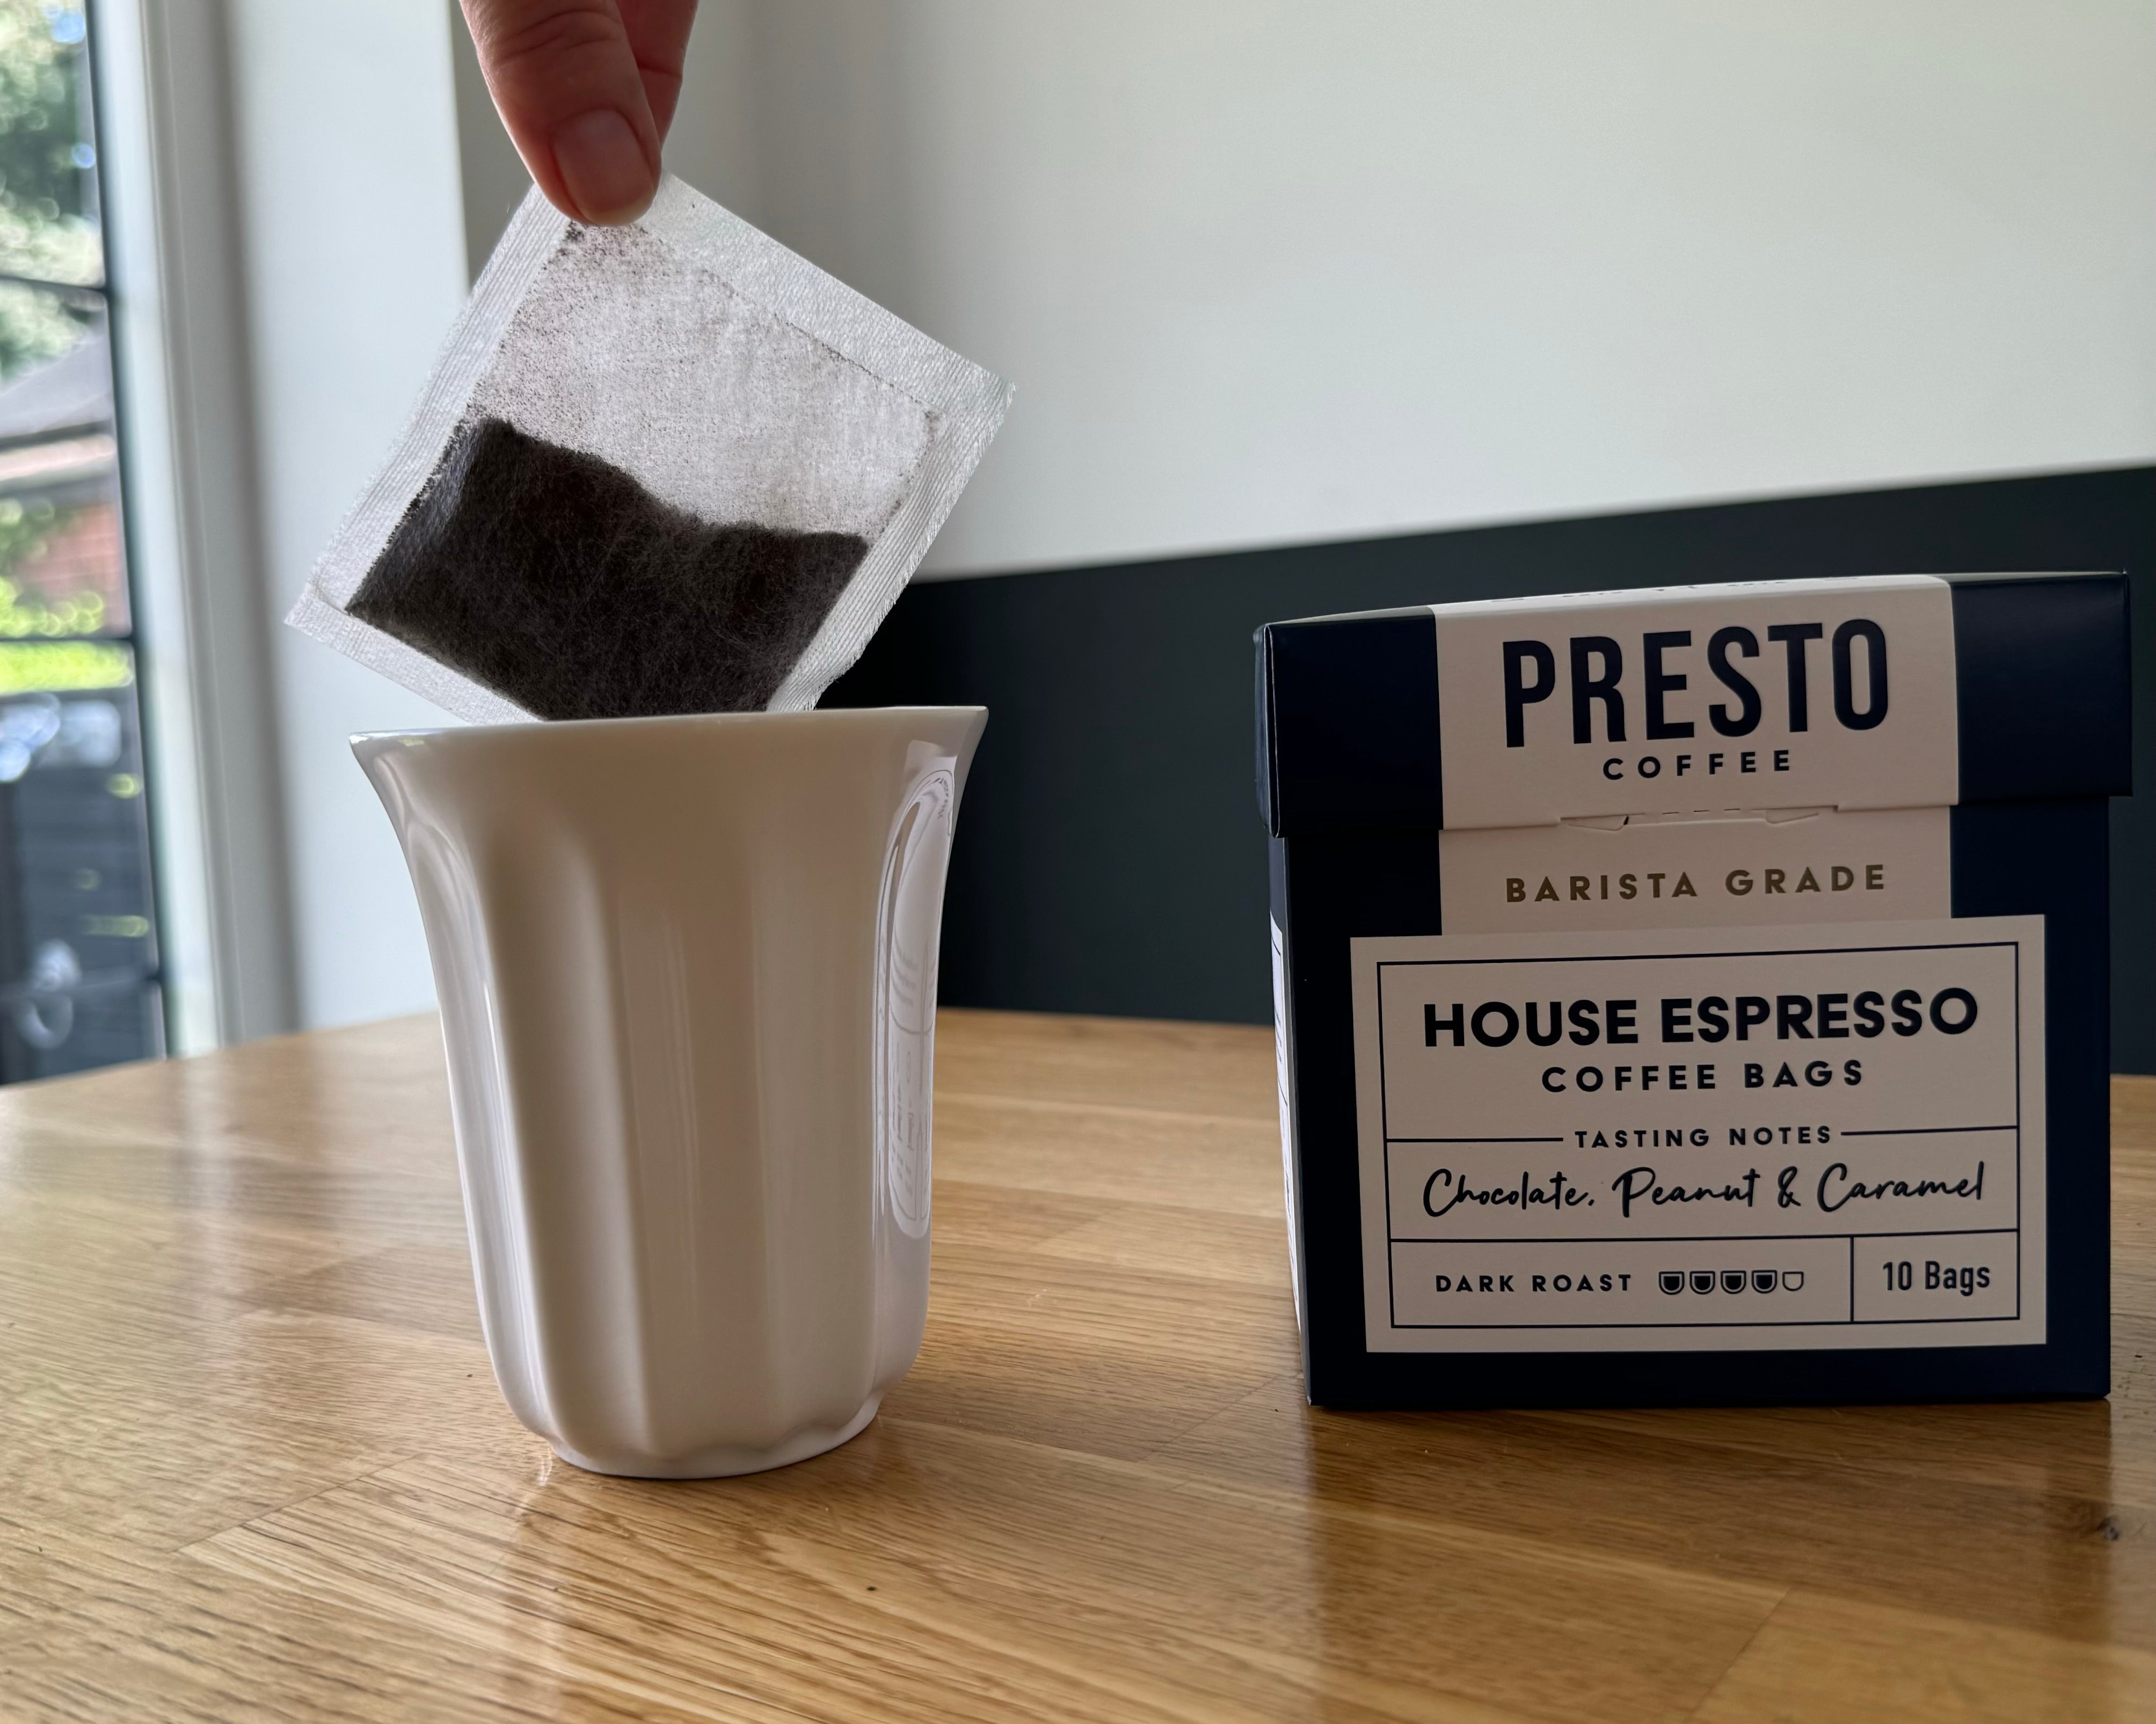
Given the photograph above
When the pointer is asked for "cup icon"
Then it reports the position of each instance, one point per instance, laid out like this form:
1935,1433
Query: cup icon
1733,1281
687,975
1703,1281
1764,1281
1672,1281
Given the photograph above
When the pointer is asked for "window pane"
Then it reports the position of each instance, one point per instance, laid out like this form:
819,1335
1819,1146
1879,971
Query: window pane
79,965
78,944
42,331
49,215
62,571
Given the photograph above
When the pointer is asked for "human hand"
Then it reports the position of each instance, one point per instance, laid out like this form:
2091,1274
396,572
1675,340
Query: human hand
587,89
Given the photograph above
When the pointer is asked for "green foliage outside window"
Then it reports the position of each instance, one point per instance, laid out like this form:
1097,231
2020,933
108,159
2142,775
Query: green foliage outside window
45,157
62,667
27,527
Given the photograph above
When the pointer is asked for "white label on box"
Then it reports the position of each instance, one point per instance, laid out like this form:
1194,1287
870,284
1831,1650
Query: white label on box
1703,1139
1873,864
1778,694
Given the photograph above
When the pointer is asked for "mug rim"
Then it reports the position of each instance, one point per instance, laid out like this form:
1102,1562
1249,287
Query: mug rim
810,716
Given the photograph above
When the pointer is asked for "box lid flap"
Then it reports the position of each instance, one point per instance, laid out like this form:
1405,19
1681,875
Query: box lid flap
1888,692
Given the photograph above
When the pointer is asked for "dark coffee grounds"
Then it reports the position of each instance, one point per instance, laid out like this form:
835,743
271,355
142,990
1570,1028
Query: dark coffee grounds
560,583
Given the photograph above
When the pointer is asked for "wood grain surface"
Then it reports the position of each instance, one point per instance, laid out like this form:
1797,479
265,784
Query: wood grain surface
253,1466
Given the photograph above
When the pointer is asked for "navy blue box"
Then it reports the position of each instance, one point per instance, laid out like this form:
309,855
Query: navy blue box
1352,786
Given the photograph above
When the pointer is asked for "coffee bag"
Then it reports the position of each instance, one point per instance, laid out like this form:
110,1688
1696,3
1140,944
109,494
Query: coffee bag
665,467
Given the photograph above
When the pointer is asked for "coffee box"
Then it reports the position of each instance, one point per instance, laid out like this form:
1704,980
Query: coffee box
1698,994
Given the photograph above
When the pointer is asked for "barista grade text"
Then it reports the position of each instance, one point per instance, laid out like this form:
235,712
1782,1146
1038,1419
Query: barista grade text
1738,883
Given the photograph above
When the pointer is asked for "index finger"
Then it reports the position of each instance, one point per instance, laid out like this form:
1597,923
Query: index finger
658,37
571,90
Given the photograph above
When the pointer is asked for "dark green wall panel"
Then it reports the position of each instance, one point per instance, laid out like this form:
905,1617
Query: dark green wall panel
1110,858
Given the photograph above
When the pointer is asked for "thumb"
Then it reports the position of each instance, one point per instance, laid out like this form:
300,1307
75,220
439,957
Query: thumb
567,82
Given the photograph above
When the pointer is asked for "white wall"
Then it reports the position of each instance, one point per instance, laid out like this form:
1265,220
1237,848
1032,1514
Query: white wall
1265,270
353,241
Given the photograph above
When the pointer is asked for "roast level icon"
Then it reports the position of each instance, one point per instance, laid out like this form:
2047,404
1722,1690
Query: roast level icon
1733,1281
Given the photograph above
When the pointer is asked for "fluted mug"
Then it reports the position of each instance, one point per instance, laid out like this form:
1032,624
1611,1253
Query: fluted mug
687,975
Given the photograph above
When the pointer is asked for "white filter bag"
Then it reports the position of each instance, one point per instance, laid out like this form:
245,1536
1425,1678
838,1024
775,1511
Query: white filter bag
669,467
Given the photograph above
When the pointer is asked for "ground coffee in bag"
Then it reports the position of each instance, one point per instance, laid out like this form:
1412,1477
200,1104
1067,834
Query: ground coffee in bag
665,467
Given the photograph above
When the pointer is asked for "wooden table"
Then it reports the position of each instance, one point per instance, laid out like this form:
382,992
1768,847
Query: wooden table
253,1465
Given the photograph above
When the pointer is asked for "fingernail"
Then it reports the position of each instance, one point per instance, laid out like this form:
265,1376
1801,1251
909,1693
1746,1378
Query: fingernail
603,167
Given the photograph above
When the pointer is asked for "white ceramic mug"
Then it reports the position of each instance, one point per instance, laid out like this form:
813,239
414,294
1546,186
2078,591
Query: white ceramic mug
687,975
